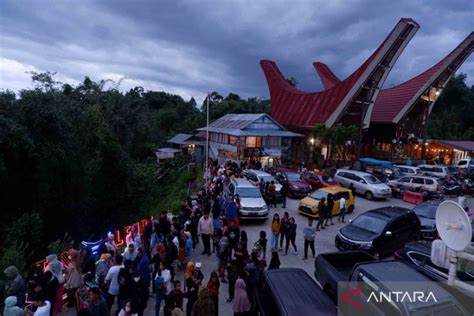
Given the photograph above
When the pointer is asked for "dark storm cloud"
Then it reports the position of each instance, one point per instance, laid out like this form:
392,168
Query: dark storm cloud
190,47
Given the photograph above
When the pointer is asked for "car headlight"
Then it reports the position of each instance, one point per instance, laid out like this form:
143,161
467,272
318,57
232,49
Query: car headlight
294,187
265,207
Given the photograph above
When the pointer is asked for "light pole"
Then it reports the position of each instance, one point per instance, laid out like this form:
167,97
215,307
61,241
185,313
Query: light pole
207,141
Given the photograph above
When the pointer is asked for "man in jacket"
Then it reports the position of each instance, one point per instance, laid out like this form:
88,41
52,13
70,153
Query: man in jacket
309,233
206,229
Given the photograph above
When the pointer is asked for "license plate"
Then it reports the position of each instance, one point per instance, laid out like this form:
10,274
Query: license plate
253,214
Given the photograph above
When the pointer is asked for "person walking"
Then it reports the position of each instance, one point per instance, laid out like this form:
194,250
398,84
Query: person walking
342,210
322,213
284,222
275,261
241,305
97,305
291,236
206,229
284,194
272,193
330,206
275,231
309,232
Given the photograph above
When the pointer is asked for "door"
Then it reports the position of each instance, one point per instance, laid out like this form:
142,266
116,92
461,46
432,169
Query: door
405,182
359,184
417,182
401,232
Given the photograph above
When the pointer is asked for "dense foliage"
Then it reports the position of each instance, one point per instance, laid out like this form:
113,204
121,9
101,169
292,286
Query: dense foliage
80,159
453,113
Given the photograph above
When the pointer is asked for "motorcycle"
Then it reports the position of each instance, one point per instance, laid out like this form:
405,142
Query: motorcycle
452,189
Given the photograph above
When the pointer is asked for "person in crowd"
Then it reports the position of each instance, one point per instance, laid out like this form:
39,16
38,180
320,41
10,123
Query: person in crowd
241,305
47,284
166,275
275,227
141,293
171,256
73,277
244,239
102,245
232,211
252,271
110,244
353,190
111,279
272,194
165,224
130,253
261,244
87,261
284,194
97,305
188,246
191,287
155,239
232,275
11,308
193,228
160,287
175,297
102,268
147,232
133,235
322,213
342,210
213,290
143,267
56,268
126,284
216,236
233,235
222,257
274,261
309,232
43,307
205,303
330,206
291,236
127,309
15,285
205,229
284,222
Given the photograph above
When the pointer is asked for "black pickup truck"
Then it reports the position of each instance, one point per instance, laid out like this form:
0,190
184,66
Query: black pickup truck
363,278
331,268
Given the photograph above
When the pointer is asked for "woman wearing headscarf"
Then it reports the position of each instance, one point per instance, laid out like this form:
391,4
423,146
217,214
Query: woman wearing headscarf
213,290
205,304
241,304
102,268
73,277
56,268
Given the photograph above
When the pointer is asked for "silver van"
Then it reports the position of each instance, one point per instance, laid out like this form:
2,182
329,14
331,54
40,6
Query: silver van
437,171
408,170
364,183
253,206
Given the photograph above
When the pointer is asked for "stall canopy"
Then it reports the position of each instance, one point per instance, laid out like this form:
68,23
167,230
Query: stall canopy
463,145
376,162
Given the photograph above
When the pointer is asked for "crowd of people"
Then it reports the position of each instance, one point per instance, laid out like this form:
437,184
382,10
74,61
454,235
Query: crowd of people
123,281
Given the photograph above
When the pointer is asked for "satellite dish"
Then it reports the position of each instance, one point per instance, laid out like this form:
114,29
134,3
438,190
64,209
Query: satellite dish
453,225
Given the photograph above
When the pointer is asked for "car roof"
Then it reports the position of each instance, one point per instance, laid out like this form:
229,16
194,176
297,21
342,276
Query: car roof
419,176
297,293
358,173
405,166
242,183
388,212
259,173
334,189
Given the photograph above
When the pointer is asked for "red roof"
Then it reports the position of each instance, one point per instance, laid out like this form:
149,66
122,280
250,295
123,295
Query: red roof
292,107
392,101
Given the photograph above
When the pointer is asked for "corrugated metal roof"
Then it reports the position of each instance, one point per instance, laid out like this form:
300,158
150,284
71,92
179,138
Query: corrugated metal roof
292,107
464,145
179,139
168,150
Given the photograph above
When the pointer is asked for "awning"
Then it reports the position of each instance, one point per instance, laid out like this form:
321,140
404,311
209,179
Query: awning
463,145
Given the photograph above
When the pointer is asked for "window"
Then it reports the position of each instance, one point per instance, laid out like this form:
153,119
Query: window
462,163
418,181
232,140
370,223
371,179
253,141
429,181
271,141
357,178
437,169
405,180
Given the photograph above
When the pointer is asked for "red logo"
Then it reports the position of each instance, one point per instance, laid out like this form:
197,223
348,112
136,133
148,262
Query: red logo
345,297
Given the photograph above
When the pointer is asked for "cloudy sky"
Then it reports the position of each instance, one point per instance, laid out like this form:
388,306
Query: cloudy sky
190,47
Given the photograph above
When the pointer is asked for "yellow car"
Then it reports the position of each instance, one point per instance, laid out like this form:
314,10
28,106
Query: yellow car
309,205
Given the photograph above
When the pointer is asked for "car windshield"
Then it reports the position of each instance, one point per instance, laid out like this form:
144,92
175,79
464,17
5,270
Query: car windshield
318,195
293,177
370,223
371,179
426,210
327,178
248,193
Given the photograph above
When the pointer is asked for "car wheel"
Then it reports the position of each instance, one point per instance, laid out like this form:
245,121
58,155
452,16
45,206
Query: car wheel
350,209
369,195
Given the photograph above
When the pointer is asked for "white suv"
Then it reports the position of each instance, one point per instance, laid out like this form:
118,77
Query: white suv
408,170
466,164
437,171
253,206
364,183
409,182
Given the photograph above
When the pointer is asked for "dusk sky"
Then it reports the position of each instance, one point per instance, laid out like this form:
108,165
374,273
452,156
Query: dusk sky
191,47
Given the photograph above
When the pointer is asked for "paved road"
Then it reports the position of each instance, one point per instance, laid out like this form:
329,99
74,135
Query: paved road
324,243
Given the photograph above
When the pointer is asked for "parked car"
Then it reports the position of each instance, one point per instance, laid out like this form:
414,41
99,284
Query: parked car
409,170
309,205
426,213
291,292
437,171
380,231
466,164
370,277
253,206
296,186
416,182
318,179
364,183
255,176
